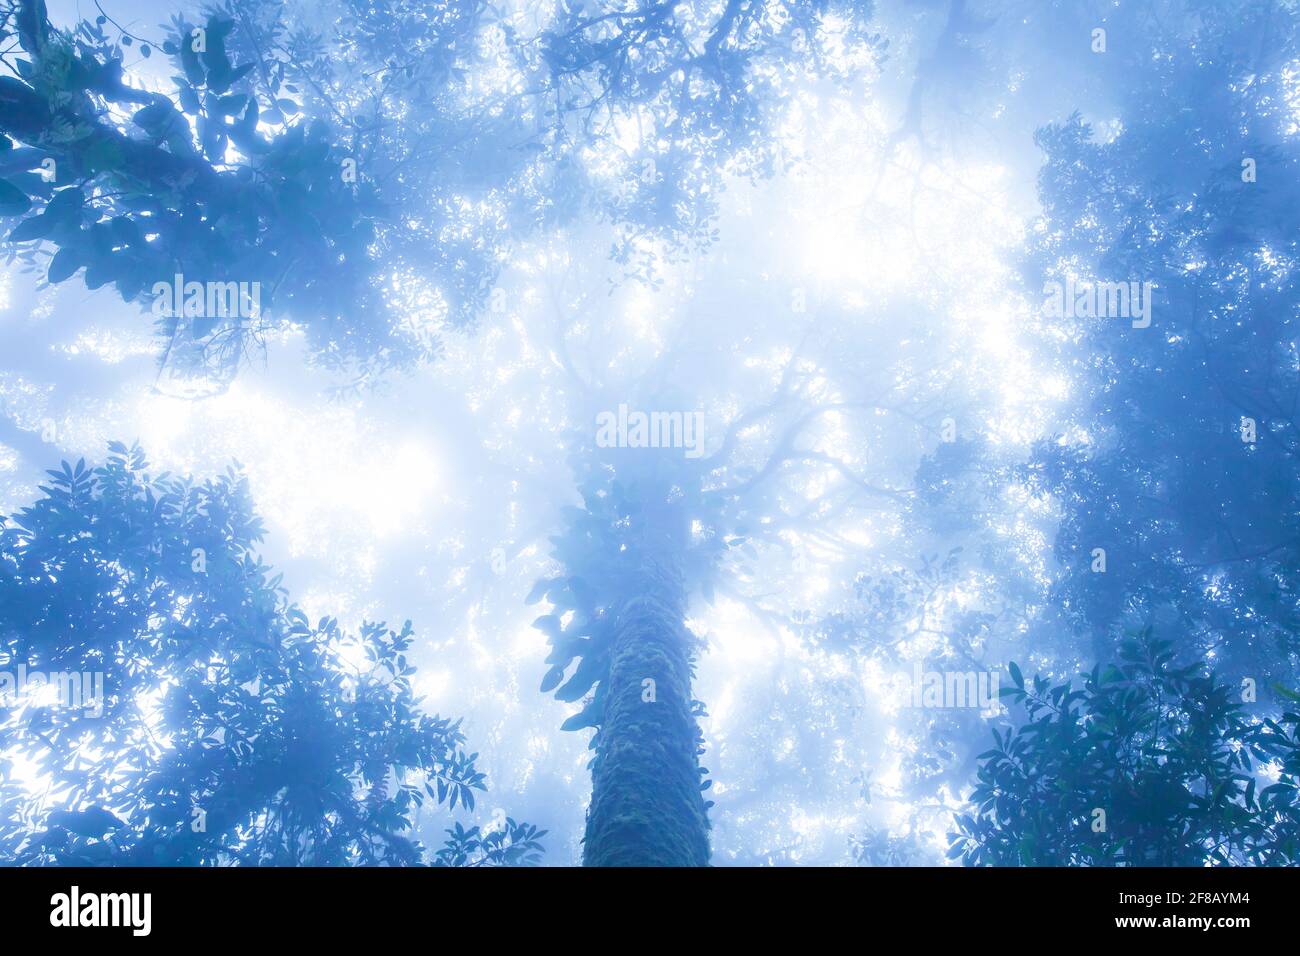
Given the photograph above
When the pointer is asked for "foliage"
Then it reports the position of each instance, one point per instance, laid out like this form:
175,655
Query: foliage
603,553
881,848
619,606
213,183
1176,762
370,175
1159,468
517,844
475,128
233,730
1176,458
702,89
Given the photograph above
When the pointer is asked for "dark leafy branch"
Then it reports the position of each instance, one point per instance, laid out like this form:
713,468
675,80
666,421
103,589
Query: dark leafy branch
230,730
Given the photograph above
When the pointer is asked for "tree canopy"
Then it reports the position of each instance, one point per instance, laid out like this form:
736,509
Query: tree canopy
797,432
221,726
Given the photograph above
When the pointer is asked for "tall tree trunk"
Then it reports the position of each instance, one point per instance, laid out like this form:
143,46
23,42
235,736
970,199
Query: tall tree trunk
646,805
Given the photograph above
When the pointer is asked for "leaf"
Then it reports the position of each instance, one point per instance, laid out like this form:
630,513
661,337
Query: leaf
589,716
1286,692
549,624
65,262
538,590
66,203
241,72
101,272
587,673
189,99
13,201
37,227
552,679
232,104
91,822
190,60
154,117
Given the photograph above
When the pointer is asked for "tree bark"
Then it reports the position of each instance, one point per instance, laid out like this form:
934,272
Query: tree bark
646,805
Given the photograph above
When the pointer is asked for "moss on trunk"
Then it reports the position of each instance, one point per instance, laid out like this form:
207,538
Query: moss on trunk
646,805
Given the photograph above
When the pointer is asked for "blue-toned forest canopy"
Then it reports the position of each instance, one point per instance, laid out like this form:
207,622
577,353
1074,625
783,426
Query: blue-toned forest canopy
797,431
